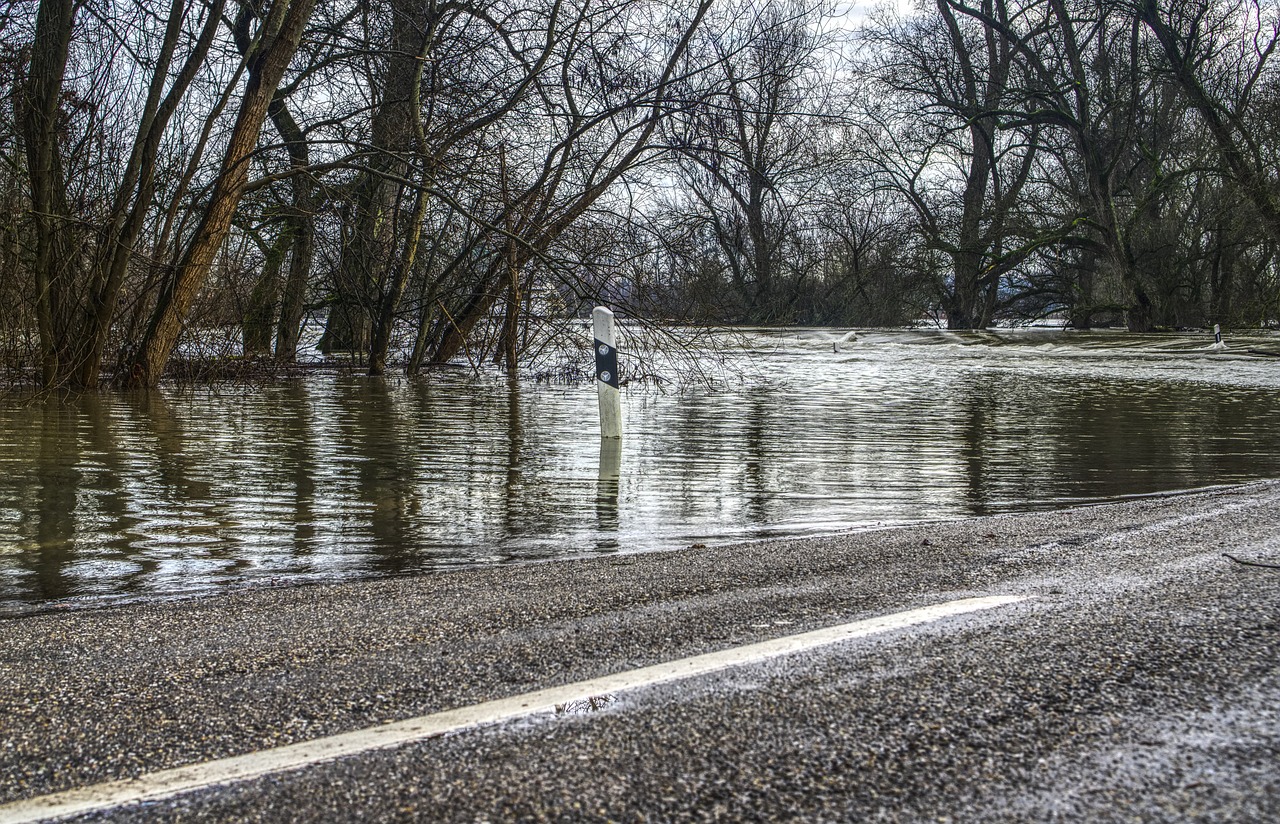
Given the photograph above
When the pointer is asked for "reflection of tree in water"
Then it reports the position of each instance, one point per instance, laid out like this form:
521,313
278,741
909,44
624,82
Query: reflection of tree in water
719,459
108,441
758,492
176,468
515,448
291,414
582,706
57,486
91,492
343,476
383,467
979,409
196,472
1032,441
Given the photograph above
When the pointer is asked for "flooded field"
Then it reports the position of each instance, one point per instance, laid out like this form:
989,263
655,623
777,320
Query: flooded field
135,496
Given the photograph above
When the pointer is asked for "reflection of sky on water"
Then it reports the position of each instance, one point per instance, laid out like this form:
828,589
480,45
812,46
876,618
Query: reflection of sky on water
152,494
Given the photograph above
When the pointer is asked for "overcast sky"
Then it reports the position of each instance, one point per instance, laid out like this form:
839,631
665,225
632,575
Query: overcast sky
855,11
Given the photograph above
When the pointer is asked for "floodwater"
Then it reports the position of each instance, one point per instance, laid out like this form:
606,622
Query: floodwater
125,496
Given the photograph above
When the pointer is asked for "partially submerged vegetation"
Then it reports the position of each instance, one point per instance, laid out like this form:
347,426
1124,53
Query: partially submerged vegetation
431,182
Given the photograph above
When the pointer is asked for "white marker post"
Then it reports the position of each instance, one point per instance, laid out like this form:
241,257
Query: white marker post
606,348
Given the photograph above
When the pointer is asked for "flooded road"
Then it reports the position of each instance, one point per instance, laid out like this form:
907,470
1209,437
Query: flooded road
136,496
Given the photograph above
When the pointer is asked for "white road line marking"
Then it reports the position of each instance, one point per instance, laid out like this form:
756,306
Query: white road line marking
168,783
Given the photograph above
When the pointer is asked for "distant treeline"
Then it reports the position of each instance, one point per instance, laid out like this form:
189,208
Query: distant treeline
430,180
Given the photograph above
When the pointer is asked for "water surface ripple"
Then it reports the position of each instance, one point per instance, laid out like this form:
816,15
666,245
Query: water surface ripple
144,495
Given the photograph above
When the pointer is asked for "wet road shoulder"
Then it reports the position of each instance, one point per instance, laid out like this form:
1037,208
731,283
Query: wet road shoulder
1136,615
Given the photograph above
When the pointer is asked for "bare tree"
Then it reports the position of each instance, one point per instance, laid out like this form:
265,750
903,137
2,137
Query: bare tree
940,84
599,120
1220,53
754,152
77,288
276,39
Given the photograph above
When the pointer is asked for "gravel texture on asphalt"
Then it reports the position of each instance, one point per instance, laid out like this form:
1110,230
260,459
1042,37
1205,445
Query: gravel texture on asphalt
1139,683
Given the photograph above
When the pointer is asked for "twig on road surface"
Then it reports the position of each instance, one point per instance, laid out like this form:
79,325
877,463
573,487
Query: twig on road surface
1230,557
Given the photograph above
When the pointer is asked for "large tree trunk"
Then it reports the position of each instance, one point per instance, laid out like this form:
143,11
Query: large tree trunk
386,317
260,314
966,308
368,256
278,41
1119,261
967,302
302,233
39,115
1222,276
391,288
1083,294
765,300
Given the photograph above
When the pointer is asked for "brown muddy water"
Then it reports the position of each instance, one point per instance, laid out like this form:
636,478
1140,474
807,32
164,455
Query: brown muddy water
125,496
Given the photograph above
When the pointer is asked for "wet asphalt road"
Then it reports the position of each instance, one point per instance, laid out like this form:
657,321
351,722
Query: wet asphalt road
1141,682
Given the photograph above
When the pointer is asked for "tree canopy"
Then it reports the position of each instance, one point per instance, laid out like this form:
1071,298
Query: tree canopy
398,183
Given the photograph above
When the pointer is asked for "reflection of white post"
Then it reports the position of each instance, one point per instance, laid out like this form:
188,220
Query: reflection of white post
611,463
607,491
606,348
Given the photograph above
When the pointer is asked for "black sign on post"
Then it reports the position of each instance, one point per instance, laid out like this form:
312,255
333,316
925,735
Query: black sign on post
606,363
